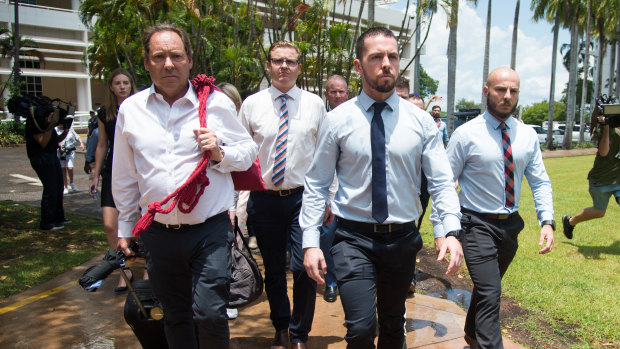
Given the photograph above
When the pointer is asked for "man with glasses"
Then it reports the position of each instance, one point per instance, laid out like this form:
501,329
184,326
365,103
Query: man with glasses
284,121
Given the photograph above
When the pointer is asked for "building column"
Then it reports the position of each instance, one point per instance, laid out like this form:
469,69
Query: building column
82,88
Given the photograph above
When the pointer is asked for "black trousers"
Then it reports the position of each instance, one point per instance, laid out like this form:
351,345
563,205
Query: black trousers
47,167
275,220
489,245
189,269
424,197
374,271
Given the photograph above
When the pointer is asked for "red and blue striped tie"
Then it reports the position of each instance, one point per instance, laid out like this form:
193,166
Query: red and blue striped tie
279,164
508,167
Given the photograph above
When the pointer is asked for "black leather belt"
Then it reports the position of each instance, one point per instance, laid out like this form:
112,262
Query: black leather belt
500,216
285,192
374,227
182,226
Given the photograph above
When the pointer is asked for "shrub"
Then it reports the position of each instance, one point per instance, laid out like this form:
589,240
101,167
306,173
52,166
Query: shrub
11,132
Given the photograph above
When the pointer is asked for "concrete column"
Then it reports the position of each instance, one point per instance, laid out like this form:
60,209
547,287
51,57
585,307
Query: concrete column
82,88
75,4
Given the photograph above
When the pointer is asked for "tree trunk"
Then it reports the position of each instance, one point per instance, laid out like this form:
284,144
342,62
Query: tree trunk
418,24
554,58
454,13
572,85
612,64
584,86
515,29
485,65
371,13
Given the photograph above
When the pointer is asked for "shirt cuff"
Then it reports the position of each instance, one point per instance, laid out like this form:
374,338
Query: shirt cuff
125,228
450,223
545,216
312,238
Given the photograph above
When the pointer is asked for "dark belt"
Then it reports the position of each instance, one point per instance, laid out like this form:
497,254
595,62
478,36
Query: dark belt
183,226
285,192
374,227
489,215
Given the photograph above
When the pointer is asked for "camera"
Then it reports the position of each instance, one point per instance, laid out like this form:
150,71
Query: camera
607,107
39,109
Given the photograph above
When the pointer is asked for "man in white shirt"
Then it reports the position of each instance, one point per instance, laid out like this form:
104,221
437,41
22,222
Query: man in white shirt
158,144
376,143
489,156
336,91
284,121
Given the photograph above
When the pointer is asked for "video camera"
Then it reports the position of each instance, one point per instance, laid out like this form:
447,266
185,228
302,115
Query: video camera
39,109
607,107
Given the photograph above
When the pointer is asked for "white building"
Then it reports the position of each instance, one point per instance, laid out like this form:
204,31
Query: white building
55,27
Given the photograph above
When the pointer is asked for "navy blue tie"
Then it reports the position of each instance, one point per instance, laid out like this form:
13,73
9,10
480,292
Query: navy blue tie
377,144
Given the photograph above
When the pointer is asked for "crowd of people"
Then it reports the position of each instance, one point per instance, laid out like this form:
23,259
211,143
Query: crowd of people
347,184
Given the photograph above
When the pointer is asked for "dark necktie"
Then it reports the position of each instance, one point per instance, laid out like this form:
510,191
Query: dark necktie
508,167
377,144
279,164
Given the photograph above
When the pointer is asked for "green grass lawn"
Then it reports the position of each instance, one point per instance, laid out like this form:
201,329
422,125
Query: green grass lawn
576,287
29,256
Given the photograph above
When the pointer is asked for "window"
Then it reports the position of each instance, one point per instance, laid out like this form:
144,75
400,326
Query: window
33,84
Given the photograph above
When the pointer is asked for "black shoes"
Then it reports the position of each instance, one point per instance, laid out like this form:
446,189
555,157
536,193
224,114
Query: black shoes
568,229
473,344
330,294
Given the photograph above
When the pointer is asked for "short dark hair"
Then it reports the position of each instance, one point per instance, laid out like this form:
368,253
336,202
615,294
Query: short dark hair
165,27
402,82
282,43
436,106
376,31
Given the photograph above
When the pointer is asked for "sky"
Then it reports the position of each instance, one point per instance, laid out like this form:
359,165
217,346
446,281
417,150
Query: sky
534,49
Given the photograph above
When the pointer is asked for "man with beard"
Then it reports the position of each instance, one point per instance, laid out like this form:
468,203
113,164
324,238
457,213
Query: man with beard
376,144
489,156
284,121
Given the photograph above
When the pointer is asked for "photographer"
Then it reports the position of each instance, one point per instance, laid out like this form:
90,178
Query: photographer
41,147
604,177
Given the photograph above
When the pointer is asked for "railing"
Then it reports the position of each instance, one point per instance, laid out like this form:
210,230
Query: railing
21,4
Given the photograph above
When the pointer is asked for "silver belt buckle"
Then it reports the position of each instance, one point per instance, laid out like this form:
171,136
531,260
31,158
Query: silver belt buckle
173,226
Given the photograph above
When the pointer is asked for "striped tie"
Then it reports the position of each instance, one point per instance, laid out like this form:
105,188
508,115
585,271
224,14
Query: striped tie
279,164
508,167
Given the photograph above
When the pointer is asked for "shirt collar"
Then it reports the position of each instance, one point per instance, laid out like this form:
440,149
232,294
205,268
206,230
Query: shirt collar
510,122
190,95
293,93
366,102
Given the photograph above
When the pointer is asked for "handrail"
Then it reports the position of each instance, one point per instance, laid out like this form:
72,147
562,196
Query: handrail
43,7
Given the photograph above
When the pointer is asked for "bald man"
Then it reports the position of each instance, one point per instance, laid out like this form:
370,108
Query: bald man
336,92
489,156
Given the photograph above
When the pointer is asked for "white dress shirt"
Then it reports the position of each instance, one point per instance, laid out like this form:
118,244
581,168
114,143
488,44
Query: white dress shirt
476,155
260,115
411,143
155,151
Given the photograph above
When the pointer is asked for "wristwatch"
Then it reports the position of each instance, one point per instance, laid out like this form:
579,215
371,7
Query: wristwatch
456,233
550,222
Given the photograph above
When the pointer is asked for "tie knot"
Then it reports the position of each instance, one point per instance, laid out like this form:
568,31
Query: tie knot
502,125
378,107
283,97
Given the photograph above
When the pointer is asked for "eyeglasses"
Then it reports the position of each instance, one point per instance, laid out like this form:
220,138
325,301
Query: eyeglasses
279,61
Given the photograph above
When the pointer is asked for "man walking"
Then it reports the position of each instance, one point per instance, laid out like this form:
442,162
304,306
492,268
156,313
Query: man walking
158,145
284,121
376,143
441,126
336,93
489,156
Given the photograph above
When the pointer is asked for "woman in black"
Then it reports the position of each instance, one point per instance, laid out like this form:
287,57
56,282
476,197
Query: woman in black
41,145
120,86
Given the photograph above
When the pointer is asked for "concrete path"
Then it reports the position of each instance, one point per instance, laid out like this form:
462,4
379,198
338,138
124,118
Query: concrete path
60,314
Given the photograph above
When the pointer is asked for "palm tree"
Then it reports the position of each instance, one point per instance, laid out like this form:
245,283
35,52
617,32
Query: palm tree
584,91
453,23
515,29
485,65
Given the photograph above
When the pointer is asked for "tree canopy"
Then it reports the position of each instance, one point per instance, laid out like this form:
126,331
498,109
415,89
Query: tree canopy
536,113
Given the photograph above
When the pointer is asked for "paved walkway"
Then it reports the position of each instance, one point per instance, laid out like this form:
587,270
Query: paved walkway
60,314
